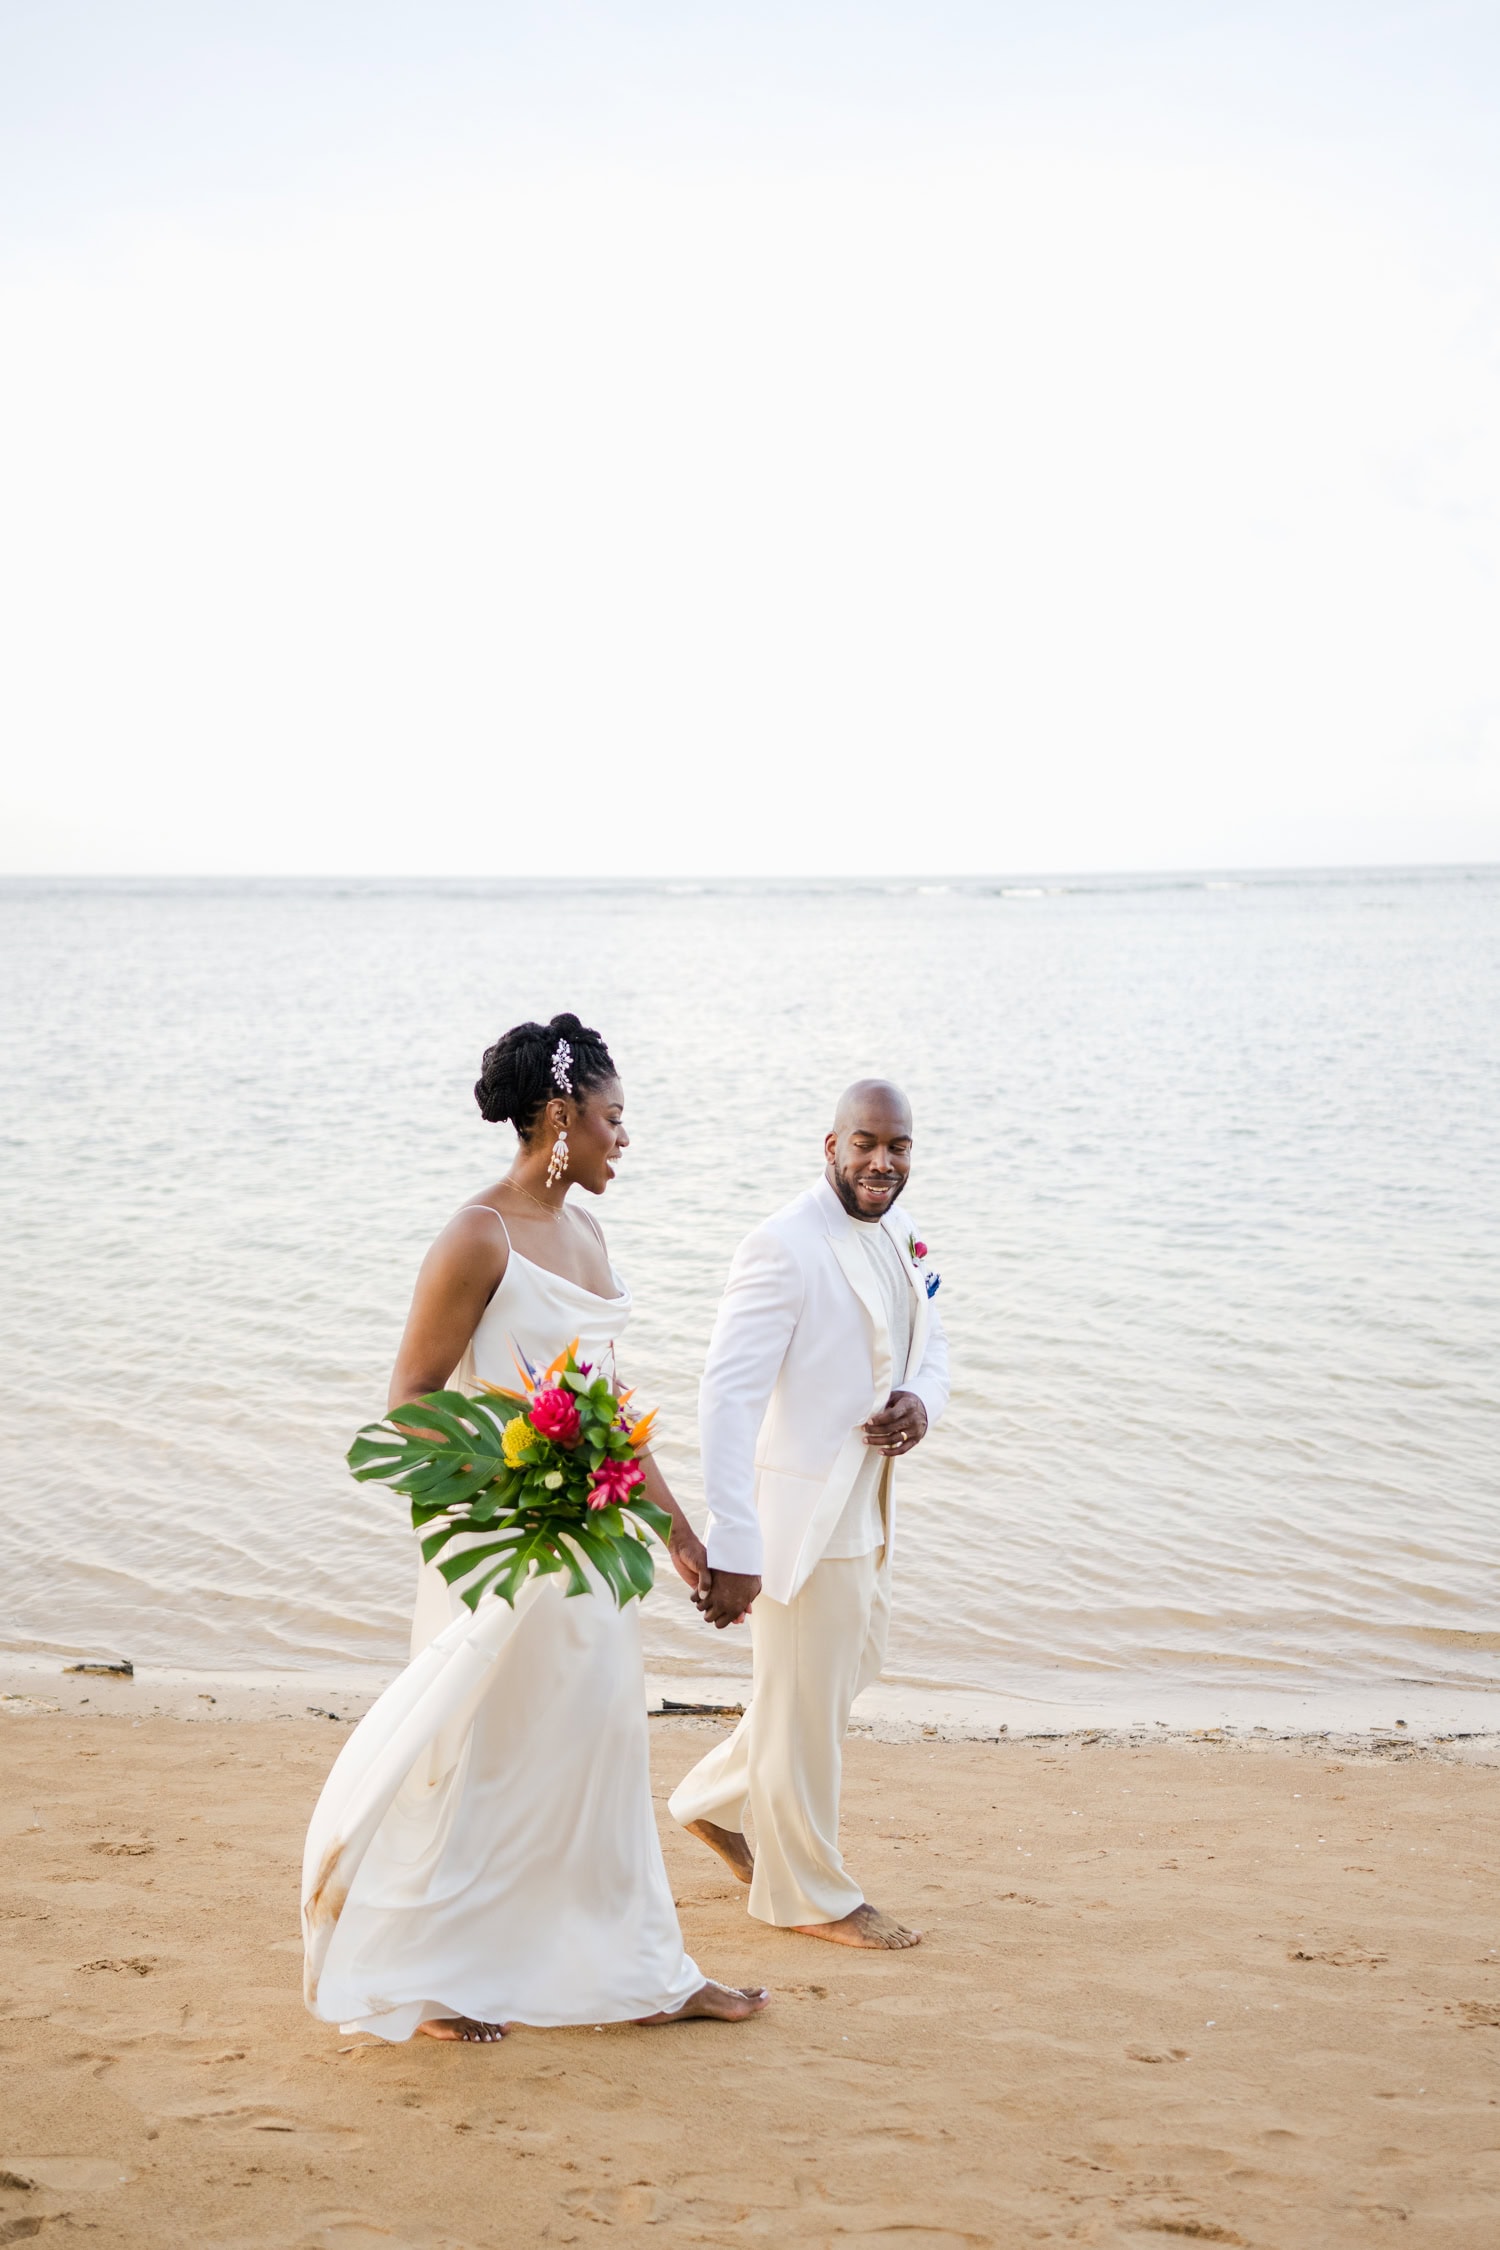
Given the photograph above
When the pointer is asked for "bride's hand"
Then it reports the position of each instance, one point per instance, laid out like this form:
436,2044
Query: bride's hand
689,1556
689,1559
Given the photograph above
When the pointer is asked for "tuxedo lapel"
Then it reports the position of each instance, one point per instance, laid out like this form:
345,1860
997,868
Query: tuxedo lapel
860,1276
919,1313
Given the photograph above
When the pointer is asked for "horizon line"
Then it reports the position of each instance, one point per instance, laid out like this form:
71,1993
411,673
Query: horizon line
1242,871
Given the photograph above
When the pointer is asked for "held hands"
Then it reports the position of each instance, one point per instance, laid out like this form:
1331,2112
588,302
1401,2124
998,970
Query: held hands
900,1424
725,1596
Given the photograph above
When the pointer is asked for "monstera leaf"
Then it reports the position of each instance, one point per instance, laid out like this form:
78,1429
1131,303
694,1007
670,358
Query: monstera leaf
521,1484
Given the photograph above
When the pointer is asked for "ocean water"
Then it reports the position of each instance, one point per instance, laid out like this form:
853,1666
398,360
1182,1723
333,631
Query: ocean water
1209,1167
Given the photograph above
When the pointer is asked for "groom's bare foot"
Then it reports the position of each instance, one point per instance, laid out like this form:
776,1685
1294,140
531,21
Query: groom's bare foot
729,1844
726,2003
462,2027
867,1927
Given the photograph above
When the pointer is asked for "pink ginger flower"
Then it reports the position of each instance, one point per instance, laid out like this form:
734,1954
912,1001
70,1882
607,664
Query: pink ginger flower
554,1415
613,1480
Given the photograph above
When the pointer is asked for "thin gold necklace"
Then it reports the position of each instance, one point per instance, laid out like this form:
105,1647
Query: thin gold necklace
536,1199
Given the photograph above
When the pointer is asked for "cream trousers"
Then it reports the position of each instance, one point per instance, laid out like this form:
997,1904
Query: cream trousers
783,1764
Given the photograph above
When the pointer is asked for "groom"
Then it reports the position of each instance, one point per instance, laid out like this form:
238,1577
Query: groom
827,1363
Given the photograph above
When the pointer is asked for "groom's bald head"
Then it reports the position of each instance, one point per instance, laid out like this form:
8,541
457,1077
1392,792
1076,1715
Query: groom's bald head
869,1149
876,1100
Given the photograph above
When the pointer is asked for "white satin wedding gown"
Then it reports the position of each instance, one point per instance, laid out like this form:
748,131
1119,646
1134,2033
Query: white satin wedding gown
486,1844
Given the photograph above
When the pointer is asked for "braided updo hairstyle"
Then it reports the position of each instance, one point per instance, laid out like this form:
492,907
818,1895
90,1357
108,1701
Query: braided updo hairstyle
515,1080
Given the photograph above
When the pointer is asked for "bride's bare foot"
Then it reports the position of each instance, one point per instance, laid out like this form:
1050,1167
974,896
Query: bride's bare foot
729,1844
462,2027
867,1927
726,2003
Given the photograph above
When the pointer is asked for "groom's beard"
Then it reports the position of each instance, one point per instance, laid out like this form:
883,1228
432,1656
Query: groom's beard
844,1189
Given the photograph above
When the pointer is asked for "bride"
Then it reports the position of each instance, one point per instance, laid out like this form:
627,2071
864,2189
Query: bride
485,1849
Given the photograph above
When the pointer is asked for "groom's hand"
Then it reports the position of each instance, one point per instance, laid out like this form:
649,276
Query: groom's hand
900,1424
728,1599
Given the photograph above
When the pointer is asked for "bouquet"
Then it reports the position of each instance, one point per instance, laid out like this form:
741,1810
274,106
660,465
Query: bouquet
543,1476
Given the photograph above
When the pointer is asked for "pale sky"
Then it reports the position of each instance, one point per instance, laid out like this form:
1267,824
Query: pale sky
748,438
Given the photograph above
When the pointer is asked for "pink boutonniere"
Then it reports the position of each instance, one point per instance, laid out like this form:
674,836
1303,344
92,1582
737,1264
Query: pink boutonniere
931,1282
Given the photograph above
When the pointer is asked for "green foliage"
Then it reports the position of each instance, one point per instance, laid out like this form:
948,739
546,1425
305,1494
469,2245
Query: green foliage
501,1517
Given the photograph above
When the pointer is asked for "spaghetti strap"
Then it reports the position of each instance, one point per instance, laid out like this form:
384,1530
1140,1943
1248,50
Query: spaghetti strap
494,1214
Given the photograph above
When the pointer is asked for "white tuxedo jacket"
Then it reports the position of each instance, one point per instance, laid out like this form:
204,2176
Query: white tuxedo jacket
800,1358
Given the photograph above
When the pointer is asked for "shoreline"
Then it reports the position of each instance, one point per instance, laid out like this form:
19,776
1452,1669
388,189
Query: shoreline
1244,1990
890,1711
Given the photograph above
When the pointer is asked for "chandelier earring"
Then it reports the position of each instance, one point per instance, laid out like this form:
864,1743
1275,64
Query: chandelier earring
562,1066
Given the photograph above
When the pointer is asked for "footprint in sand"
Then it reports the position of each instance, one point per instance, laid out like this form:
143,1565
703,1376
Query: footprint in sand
63,2175
217,2115
907,2004
1196,2230
348,2230
640,2204
899,2237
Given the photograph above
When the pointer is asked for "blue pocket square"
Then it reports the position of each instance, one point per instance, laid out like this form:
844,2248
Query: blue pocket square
934,1284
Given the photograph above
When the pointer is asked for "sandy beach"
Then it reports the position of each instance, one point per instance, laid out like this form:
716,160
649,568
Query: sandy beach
1237,1991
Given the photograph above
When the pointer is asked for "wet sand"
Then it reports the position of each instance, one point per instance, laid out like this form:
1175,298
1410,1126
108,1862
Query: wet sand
1220,1991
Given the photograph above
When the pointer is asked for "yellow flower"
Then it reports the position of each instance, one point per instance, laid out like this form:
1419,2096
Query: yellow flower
514,1440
